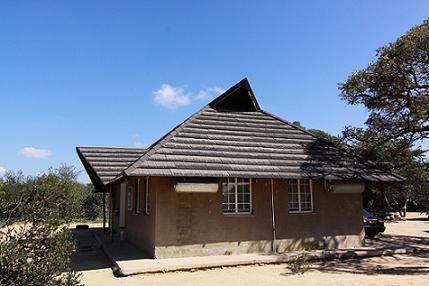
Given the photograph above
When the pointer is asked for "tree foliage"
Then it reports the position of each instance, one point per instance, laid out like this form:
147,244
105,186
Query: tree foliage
35,244
395,90
71,199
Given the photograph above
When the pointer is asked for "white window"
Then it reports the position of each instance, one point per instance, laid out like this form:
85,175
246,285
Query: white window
130,198
237,196
300,196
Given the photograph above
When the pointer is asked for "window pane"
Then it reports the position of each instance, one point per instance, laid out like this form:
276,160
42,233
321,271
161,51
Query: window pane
236,196
243,195
293,204
228,191
305,195
299,199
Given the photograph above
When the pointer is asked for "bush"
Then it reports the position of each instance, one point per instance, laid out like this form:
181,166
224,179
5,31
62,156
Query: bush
36,254
73,201
299,264
35,246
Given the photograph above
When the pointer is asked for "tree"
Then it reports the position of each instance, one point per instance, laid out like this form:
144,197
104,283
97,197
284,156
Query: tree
35,245
328,137
395,90
407,162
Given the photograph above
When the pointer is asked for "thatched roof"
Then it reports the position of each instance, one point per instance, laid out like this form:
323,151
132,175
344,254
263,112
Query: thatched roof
233,137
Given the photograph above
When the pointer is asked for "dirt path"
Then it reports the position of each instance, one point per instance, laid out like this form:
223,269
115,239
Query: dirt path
399,270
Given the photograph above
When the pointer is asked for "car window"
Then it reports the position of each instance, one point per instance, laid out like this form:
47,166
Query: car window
366,214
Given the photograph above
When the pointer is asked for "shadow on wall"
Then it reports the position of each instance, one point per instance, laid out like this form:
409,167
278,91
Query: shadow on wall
313,243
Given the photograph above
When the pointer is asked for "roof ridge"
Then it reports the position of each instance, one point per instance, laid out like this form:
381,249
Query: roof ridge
161,142
372,164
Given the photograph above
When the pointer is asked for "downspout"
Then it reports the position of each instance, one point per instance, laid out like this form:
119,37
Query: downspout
273,219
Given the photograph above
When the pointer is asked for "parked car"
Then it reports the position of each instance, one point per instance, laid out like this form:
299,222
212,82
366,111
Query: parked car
373,225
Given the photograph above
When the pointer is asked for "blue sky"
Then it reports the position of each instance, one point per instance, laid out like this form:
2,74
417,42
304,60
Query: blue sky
109,73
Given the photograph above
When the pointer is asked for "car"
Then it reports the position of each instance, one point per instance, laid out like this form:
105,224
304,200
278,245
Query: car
373,225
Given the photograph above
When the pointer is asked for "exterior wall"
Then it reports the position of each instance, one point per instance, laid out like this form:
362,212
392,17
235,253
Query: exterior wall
139,227
115,206
194,224
335,223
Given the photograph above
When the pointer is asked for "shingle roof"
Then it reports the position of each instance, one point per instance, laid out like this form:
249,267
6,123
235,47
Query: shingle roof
226,139
104,164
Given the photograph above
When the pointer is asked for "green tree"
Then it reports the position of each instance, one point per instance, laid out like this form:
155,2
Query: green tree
328,137
395,91
35,246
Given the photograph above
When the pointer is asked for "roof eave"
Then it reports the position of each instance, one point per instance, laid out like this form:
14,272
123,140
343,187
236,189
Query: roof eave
95,179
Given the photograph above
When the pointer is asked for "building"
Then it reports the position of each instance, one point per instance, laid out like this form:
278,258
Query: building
233,178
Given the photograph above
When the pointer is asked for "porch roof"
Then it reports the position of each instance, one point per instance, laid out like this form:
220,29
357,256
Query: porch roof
104,164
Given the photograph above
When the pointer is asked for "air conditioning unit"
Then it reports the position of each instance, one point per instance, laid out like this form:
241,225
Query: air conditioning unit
346,188
196,185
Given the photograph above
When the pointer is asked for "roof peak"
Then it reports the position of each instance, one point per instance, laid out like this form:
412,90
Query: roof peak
239,97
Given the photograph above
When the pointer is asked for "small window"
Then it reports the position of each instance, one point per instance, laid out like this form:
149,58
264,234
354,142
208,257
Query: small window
146,197
130,198
237,196
300,196
137,198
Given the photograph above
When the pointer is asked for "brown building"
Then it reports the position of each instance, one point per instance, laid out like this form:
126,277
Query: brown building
233,178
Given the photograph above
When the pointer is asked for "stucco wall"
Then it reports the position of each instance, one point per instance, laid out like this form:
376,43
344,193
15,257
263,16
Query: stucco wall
335,223
197,221
115,205
144,234
139,227
194,224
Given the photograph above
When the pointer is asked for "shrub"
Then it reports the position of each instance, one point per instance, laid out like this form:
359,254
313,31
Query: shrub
299,264
35,246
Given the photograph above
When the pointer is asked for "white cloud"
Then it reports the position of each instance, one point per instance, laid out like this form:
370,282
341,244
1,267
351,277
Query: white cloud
172,97
32,152
209,93
3,171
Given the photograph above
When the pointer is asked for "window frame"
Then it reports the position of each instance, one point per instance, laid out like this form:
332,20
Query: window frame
130,198
146,197
298,183
137,198
236,210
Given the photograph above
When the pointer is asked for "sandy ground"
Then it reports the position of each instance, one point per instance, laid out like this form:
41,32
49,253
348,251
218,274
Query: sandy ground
397,270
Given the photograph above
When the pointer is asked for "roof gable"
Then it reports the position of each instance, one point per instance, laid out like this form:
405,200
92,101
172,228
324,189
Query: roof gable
240,97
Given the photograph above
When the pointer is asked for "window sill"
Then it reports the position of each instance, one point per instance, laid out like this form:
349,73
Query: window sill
302,213
238,214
